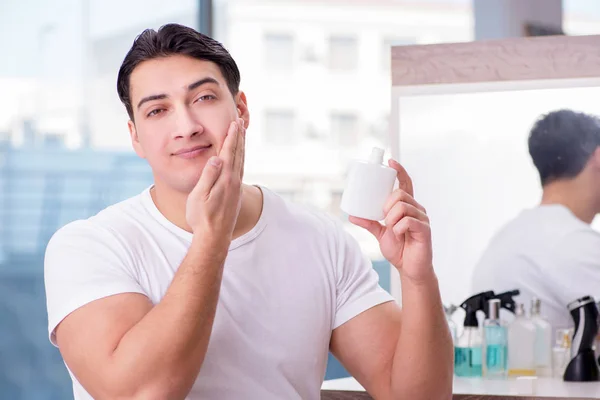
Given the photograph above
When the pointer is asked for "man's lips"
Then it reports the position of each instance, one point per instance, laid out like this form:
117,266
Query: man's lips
191,152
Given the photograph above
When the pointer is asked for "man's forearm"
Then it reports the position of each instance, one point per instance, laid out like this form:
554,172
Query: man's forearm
423,362
162,354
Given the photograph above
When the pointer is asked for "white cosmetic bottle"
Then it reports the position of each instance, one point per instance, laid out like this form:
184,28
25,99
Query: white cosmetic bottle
369,185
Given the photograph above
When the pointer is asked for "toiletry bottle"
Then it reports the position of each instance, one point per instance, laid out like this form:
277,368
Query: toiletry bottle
368,187
521,344
495,342
467,349
451,324
543,340
561,352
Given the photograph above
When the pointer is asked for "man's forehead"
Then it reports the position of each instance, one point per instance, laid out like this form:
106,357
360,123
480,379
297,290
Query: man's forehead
172,73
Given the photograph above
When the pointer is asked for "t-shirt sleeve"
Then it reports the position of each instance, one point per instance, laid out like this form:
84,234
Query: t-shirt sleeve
84,263
357,283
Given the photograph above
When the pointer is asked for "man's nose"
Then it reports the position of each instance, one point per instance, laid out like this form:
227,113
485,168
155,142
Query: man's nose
187,124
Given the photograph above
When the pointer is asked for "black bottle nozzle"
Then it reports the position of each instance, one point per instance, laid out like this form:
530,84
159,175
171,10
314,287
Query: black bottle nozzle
477,302
506,301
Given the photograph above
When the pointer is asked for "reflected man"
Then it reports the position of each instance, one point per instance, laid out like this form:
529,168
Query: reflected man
550,251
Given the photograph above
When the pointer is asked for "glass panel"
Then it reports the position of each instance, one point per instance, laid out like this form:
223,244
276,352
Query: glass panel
65,154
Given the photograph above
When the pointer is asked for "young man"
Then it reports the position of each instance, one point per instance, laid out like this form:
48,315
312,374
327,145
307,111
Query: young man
551,252
202,287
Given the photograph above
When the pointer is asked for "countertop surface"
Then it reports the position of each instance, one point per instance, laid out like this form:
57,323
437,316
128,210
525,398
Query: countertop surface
543,387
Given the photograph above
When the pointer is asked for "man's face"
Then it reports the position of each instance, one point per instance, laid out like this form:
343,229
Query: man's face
182,109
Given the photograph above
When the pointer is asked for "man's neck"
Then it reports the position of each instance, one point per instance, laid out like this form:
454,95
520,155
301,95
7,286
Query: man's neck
574,195
172,205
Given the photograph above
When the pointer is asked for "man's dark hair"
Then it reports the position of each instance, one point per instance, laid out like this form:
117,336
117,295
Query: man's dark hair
561,143
173,39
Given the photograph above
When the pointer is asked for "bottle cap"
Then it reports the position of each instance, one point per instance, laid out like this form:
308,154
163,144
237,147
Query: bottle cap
536,306
376,156
494,305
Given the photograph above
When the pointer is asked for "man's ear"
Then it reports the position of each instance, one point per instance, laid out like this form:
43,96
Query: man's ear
135,141
242,108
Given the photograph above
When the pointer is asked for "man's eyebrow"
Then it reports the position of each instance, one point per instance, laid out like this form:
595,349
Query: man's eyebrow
201,82
150,98
190,87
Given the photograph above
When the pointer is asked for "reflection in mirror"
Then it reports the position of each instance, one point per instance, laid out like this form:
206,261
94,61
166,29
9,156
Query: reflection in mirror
468,155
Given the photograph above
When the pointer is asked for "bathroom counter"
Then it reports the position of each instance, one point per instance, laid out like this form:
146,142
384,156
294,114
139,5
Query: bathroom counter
543,387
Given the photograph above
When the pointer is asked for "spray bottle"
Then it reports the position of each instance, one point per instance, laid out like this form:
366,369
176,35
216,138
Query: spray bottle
467,350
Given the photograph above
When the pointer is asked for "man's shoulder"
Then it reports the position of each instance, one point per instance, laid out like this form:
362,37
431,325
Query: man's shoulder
101,227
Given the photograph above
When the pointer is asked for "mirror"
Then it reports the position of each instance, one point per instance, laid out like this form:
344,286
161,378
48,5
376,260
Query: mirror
468,156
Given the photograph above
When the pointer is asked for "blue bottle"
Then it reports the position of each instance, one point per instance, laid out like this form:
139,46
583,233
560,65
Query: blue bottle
495,343
468,361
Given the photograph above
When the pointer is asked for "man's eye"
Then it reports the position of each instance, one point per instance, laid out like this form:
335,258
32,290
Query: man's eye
155,112
206,97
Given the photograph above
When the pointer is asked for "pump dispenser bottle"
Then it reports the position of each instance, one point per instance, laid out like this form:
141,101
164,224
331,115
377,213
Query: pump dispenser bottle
369,185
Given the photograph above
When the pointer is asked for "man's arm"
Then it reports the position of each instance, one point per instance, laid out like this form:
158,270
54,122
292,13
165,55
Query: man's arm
398,354
121,347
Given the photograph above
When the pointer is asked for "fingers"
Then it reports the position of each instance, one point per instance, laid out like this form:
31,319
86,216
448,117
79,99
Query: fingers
400,195
403,210
210,174
374,227
238,166
228,151
233,149
404,179
417,229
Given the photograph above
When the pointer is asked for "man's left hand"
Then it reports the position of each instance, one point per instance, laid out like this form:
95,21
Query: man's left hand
405,236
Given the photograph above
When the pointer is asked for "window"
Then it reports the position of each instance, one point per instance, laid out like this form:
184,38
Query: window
57,80
50,176
279,51
343,53
344,129
280,126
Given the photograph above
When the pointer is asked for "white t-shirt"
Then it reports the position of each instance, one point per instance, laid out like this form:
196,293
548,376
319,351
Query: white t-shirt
548,253
287,283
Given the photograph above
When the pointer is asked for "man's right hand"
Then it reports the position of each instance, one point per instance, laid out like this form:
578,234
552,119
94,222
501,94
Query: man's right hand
214,204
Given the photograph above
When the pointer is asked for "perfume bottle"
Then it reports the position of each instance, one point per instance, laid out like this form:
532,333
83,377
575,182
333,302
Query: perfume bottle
561,352
495,343
543,340
369,185
521,344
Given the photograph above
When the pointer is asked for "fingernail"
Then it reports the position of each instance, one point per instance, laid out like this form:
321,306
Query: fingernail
215,161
